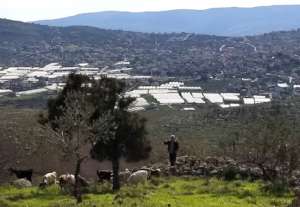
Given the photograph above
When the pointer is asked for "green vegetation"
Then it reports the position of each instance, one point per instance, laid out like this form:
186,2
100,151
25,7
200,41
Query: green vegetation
93,114
178,192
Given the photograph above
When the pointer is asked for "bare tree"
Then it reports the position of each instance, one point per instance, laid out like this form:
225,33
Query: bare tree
73,132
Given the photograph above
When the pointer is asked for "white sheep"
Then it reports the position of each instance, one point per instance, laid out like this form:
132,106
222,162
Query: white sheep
139,176
123,176
66,180
50,178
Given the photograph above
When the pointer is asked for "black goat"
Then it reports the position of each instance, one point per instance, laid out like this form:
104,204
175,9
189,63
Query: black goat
27,174
104,175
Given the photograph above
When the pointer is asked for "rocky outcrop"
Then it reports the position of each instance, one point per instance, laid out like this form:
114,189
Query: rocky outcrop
22,183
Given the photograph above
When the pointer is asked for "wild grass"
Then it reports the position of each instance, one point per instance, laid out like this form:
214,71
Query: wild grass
174,192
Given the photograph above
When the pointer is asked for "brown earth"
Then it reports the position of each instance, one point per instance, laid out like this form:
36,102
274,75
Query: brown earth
19,129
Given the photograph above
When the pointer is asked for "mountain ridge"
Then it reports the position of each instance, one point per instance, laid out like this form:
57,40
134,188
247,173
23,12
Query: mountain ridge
231,21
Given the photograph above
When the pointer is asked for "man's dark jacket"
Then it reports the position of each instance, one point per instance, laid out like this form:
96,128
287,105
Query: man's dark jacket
176,146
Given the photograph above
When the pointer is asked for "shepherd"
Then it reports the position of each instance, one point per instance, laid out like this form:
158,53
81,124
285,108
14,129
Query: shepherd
173,147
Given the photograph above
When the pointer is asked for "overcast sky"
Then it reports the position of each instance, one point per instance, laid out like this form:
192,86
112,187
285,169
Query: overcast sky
29,10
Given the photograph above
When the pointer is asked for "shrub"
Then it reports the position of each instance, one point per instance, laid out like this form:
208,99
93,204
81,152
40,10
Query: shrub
277,187
230,173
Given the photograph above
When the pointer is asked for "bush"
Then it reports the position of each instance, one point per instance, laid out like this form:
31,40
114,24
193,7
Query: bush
230,173
277,187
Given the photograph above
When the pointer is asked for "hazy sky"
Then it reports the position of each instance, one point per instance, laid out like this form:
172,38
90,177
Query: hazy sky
28,10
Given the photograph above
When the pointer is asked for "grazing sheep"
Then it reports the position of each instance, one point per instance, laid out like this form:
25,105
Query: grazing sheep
66,180
123,176
27,174
139,176
152,172
50,178
155,173
104,175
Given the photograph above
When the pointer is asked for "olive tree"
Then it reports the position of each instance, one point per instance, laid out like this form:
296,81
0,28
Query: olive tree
126,137
72,132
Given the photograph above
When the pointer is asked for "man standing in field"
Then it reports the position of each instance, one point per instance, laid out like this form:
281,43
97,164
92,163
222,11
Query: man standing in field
173,147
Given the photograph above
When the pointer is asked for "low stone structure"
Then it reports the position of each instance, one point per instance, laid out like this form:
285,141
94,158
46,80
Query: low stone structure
211,166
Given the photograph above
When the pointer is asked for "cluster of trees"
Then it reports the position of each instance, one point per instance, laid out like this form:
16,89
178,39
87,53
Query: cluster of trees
92,114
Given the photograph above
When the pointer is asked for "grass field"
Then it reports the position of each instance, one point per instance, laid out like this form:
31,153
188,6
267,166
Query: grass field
177,192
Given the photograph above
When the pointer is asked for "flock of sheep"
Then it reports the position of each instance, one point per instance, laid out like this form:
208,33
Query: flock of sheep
67,180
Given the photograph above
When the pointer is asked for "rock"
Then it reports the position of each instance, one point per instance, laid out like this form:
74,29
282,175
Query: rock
214,172
256,173
244,172
22,183
198,172
212,161
172,171
296,173
294,182
297,192
231,162
181,159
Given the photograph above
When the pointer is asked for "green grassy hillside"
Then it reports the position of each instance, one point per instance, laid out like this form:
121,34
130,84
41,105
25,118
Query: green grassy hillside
177,192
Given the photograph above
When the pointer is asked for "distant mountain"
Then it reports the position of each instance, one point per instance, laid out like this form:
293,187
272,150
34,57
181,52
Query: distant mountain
176,54
222,21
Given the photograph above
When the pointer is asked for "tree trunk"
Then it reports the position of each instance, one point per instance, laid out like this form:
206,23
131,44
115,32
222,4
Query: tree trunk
116,180
77,191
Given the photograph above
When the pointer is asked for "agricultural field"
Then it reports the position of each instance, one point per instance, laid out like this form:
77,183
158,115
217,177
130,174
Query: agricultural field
175,192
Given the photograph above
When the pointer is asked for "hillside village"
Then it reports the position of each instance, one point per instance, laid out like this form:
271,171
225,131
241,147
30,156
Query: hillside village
149,91
50,78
